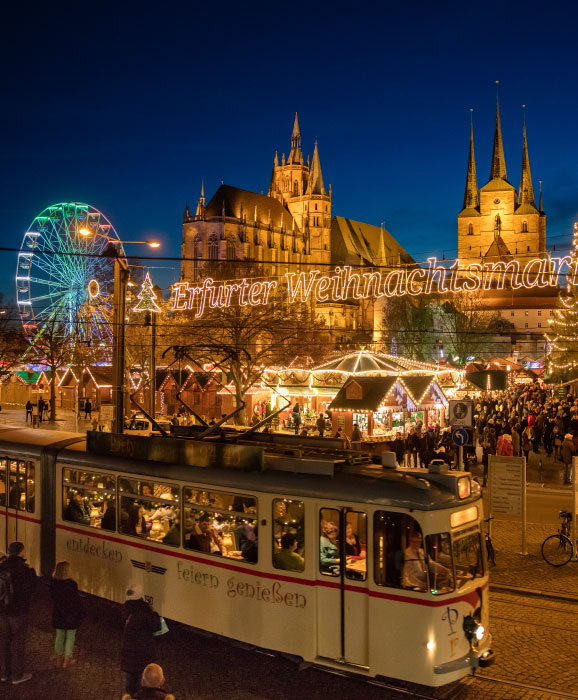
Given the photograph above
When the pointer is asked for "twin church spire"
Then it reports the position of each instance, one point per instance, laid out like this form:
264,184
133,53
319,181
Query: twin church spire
498,168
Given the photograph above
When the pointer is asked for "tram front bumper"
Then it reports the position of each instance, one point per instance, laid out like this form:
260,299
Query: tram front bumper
475,658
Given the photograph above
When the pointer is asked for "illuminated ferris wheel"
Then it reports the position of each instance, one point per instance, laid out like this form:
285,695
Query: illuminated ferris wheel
62,277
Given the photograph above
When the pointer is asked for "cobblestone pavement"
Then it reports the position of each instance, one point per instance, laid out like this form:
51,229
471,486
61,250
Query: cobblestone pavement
534,641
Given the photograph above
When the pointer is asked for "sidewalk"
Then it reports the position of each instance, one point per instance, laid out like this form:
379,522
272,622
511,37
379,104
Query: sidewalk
16,415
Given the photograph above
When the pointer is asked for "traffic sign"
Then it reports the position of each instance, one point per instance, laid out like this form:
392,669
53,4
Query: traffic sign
460,436
461,413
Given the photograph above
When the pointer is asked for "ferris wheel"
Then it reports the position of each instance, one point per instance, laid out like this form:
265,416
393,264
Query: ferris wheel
62,276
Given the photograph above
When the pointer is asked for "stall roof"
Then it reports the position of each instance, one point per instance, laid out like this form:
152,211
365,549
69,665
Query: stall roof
363,393
417,386
359,362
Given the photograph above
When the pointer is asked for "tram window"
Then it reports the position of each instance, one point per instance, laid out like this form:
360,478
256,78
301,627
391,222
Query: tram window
329,537
356,545
468,555
3,463
288,534
89,498
399,560
150,510
223,524
20,485
441,569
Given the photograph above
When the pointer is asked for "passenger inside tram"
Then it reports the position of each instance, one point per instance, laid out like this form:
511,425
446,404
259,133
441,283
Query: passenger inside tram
108,521
136,524
355,545
206,539
329,548
287,557
76,511
414,573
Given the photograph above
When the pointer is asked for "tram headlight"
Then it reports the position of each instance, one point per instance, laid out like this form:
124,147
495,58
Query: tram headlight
464,487
474,629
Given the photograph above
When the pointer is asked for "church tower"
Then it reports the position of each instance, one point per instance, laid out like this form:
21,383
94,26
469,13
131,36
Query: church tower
499,222
301,189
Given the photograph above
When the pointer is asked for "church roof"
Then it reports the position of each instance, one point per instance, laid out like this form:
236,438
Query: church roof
315,177
526,208
238,203
498,249
497,184
352,240
469,212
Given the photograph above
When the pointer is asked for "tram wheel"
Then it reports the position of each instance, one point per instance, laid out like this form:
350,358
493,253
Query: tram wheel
557,550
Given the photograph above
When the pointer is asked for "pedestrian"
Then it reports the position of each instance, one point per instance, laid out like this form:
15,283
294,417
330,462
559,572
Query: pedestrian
17,583
412,443
152,685
527,439
40,408
87,409
504,446
321,425
66,614
356,437
138,642
296,416
29,410
399,449
568,451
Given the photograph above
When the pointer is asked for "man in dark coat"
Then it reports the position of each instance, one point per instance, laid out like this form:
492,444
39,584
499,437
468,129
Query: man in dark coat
19,581
138,642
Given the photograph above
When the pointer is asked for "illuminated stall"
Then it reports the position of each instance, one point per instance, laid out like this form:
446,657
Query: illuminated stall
384,406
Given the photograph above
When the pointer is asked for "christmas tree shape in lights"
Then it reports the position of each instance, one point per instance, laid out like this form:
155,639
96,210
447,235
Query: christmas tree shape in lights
147,297
562,359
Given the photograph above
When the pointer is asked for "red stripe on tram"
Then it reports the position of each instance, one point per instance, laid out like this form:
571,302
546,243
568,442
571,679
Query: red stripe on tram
264,574
27,518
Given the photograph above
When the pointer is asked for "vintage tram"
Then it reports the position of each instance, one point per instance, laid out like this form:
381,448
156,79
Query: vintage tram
318,554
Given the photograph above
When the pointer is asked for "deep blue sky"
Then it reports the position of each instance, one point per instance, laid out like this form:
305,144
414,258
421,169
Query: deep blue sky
128,108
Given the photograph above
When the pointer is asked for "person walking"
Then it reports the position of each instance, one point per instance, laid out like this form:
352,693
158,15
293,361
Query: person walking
66,614
568,451
40,408
296,416
17,583
87,410
321,425
138,642
152,685
29,410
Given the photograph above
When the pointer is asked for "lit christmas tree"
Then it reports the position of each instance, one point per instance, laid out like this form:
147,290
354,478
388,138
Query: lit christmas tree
147,297
562,359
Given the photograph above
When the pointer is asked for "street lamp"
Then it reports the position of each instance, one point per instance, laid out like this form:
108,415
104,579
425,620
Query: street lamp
121,280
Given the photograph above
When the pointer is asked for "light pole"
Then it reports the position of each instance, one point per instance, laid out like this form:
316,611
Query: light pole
121,278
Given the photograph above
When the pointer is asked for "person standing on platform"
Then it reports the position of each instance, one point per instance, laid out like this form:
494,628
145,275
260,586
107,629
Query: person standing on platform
66,614
29,410
17,583
138,642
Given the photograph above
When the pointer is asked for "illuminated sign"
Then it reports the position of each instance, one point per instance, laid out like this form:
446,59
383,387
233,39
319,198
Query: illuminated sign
345,284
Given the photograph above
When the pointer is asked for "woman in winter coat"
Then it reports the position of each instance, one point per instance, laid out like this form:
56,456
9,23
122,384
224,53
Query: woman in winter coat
504,446
151,685
568,451
138,642
66,614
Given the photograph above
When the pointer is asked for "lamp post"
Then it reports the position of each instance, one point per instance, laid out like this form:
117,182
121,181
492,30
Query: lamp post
121,278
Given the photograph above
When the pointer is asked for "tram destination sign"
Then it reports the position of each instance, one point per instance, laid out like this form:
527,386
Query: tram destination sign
193,453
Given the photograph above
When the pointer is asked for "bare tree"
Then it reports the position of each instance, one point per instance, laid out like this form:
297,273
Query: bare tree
12,341
465,325
247,339
408,325
53,349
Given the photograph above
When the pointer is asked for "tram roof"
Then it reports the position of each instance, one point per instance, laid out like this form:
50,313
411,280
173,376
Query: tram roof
369,484
358,484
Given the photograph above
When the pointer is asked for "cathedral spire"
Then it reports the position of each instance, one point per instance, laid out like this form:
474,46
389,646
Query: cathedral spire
296,157
315,176
187,213
471,197
540,207
201,204
498,167
526,194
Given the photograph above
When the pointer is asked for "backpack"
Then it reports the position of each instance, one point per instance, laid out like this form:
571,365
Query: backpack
6,588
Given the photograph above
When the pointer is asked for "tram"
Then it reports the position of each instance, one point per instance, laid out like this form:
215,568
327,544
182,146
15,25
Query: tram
321,555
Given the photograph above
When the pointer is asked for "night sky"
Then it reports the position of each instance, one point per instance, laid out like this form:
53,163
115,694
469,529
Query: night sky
128,109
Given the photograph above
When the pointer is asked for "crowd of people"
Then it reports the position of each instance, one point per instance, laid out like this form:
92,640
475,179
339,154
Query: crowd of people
144,678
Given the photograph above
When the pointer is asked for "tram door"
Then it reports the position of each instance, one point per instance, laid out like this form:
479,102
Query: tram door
18,500
342,600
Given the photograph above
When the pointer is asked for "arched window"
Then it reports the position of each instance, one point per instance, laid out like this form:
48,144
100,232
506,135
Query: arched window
213,247
197,253
295,187
231,248
524,226
470,229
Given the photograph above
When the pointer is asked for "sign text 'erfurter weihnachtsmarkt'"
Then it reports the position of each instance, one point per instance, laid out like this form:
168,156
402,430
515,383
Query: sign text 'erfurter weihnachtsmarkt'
346,284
